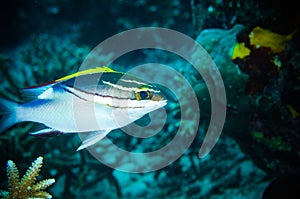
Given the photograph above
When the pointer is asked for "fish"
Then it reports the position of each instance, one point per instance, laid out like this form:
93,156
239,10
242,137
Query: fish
94,101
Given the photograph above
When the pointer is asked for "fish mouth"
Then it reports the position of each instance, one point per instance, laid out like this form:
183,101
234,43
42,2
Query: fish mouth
161,103
164,102
157,104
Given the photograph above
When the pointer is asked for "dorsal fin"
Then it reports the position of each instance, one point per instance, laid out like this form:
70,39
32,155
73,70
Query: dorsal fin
33,92
101,69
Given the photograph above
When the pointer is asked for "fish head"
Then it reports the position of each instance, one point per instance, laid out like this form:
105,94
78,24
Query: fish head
143,99
117,99
148,98
124,91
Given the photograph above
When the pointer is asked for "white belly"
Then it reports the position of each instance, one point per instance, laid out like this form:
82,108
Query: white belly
70,114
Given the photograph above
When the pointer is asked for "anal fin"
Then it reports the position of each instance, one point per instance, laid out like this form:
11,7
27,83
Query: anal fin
48,132
93,138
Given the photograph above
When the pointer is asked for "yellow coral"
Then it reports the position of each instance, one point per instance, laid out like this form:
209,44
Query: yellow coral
240,51
260,37
293,111
25,188
266,38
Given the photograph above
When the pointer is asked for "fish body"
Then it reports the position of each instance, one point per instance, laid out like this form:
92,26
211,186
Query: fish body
96,100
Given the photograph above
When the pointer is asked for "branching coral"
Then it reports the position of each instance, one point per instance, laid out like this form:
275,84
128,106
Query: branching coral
26,187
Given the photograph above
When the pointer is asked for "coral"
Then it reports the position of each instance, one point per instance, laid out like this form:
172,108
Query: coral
191,177
26,187
260,37
240,51
274,143
292,110
226,14
263,107
52,57
272,81
261,68
258,54
44,59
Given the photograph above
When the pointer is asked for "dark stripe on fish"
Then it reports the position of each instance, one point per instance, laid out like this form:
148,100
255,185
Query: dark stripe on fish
98,94
104,96
67,90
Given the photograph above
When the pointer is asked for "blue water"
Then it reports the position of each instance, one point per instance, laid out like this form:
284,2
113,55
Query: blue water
42,41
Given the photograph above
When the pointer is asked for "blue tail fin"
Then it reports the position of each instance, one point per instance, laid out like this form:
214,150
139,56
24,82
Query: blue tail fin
8,114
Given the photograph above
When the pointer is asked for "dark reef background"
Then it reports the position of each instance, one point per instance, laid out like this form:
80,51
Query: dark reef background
43,40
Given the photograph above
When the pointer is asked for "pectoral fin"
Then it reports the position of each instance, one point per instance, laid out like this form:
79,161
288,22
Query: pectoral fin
92,138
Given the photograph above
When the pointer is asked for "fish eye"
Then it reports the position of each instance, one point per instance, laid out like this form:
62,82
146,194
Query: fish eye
142,95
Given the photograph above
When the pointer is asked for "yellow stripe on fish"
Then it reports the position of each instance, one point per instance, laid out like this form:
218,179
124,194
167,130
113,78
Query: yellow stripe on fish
102,69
